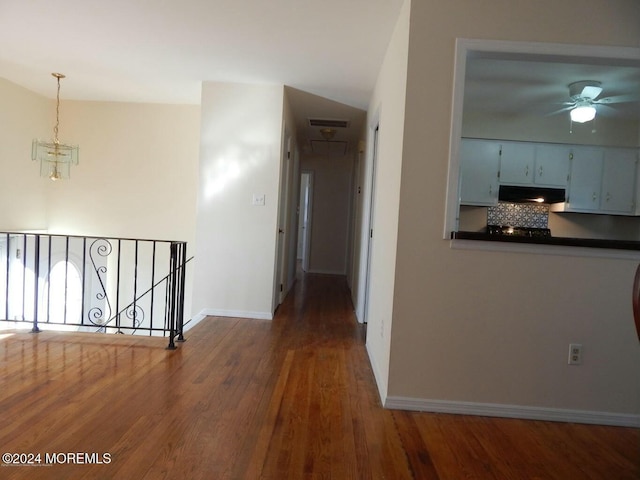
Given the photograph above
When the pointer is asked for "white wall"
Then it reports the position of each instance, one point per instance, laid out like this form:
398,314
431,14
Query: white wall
137,172
553,129
474,327
23,116
387,107
240,155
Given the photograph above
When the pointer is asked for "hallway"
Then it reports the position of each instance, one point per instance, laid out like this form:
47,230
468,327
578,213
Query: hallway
292,398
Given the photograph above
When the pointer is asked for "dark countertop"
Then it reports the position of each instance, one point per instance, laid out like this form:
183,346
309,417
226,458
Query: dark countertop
569,242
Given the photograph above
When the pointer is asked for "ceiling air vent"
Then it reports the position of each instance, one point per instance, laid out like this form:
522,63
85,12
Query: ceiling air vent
327,122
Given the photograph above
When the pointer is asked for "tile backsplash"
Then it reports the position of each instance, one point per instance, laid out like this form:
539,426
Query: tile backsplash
530,215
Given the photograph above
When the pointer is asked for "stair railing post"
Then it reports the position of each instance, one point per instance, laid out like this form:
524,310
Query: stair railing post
183,276
172,295
36,274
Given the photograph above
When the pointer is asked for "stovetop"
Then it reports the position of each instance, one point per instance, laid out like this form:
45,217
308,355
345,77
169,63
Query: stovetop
518,231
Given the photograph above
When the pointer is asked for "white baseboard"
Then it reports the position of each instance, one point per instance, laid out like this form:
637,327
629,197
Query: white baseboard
212,312
381,383
193,322
513,411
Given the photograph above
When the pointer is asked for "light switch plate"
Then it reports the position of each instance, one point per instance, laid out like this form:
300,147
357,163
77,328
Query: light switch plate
259,199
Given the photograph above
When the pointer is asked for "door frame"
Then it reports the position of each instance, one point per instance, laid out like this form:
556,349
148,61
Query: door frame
370,223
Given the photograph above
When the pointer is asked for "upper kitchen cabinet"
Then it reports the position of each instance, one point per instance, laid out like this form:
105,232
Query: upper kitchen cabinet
517,163
479,166
585,180
552,165
619,181
526,163
603,180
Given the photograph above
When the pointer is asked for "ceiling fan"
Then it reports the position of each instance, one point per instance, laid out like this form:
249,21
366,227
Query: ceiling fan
583,98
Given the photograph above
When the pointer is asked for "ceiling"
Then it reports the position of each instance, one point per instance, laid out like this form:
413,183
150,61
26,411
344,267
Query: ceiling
156,51
540,84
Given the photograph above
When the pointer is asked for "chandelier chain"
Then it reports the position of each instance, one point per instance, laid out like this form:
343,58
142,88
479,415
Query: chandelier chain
55,129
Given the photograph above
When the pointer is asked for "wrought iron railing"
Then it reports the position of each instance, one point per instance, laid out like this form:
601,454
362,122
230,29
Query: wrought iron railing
112,285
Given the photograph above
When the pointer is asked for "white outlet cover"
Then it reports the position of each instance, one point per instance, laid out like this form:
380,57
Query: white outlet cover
575,354
258,199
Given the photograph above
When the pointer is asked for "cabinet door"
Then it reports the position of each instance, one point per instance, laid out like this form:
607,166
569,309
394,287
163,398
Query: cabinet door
479,164
516,163
552,165
585,179
618,181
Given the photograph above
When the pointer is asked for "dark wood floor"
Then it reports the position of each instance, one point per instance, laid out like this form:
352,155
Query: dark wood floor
247,399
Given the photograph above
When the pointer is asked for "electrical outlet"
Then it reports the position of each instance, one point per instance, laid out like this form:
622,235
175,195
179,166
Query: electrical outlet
575,354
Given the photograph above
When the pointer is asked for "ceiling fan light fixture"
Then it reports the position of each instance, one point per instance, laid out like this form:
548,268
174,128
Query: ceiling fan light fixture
583,113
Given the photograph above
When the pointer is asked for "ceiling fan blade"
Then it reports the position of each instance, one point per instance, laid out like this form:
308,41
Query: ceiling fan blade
619,99
565,109
606,110
591,91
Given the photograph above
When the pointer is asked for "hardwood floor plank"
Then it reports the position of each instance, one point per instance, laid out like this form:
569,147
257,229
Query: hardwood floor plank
292,398
416,450
259,450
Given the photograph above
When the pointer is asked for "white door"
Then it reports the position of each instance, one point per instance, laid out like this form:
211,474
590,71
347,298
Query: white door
371,216
283,209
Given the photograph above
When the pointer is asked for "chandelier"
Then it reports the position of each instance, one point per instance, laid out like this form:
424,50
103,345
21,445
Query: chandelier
55,157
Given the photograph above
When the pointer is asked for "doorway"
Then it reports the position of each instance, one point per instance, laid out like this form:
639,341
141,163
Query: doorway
304,225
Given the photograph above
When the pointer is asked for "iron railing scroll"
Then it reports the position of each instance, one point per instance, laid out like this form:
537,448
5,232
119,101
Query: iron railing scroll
99,284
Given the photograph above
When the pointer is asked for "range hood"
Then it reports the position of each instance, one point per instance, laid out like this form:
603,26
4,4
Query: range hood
517,194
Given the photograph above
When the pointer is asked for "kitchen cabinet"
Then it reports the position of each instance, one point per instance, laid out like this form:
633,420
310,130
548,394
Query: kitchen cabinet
517,163
585,180
619,181
552,165
525,163
602,180
479,167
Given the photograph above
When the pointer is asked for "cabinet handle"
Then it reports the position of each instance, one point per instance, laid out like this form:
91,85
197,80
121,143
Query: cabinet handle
540,171
490,189
608,196
594,197
526,173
